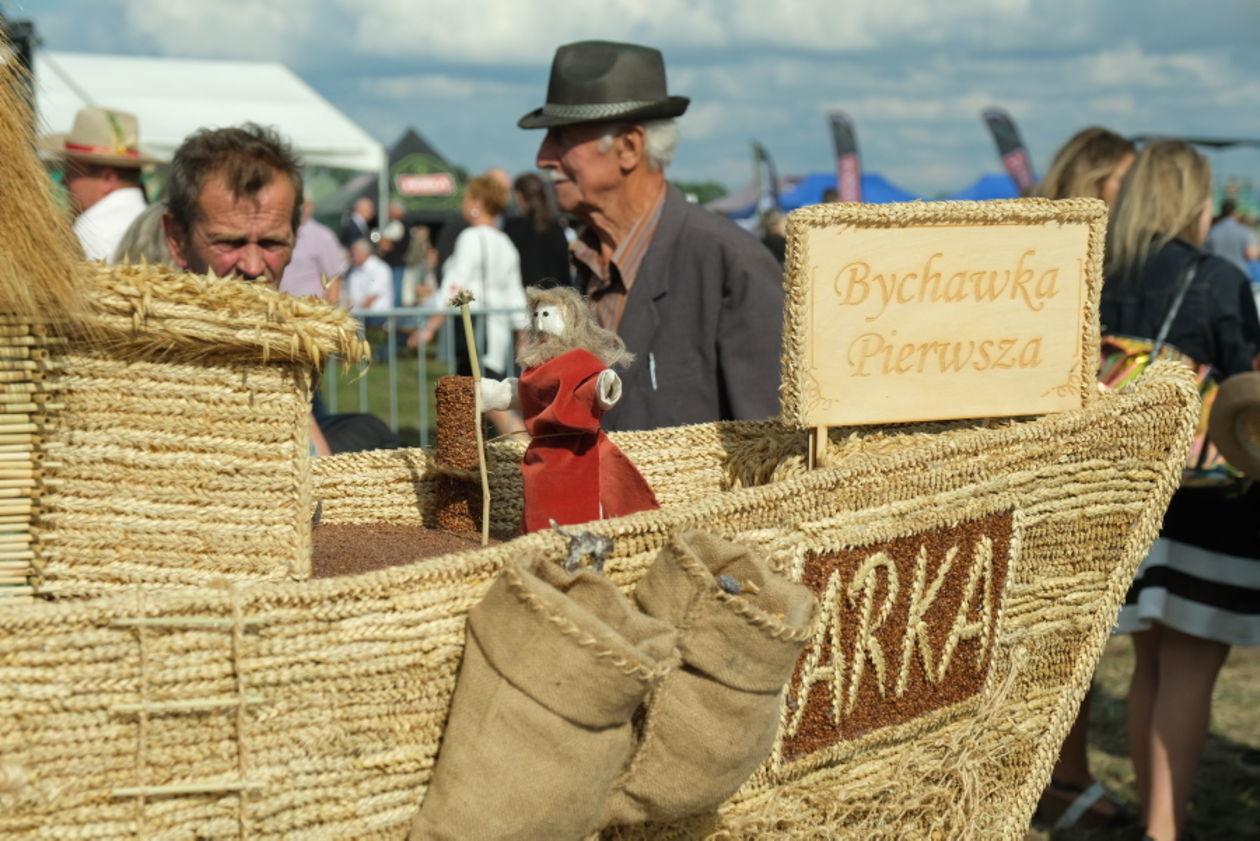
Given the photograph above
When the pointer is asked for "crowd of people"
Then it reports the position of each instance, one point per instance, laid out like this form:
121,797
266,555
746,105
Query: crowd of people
698,303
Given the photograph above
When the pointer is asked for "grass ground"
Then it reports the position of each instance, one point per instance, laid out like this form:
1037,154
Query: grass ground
1225,805
369,391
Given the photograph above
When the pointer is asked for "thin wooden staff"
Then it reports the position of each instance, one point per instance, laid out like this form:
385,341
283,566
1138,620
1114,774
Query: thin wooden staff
462,300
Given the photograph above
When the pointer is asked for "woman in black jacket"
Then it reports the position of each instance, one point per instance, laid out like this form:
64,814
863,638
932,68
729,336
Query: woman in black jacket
537,235
1198,592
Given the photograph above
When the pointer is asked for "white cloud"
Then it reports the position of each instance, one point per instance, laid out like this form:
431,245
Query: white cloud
437,86
1118,105
278,30
1129,65
912,73
515,31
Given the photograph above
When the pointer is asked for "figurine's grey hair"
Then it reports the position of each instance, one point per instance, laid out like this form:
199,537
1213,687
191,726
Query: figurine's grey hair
580,331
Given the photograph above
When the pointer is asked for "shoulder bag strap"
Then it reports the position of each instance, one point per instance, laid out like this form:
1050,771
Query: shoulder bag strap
1187,279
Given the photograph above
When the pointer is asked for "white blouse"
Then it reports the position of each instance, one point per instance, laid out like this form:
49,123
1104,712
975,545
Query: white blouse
485,263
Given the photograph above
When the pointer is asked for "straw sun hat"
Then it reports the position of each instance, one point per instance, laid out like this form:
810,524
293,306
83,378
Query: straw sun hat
1234,424
100,136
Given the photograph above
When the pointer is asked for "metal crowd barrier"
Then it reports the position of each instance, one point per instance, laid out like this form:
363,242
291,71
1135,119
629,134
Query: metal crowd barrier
398,322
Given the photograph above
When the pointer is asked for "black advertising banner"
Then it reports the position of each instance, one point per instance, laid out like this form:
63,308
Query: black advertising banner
1010,148
766,179
848,164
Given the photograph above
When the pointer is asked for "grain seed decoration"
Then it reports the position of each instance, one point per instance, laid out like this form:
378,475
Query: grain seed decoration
907,627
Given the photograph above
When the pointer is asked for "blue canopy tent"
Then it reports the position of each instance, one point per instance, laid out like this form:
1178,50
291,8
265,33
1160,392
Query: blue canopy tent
992,186
796,192
876,189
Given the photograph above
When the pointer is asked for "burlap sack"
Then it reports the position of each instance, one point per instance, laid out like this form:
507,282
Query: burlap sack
712,721
554,667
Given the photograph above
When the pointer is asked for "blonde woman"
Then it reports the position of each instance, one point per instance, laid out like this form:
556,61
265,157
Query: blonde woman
485,263
1198,592
1091,164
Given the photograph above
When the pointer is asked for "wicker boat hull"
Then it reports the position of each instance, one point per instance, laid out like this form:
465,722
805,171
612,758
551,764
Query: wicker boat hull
314,709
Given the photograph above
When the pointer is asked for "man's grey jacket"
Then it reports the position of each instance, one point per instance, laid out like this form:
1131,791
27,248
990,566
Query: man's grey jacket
704,321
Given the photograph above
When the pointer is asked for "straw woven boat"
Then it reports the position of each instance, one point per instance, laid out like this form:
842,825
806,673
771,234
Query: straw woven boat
167,670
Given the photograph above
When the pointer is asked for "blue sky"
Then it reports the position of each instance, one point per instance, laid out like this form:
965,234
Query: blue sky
913,74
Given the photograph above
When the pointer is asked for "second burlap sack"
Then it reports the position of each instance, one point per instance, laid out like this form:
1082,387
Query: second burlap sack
555,666
712,721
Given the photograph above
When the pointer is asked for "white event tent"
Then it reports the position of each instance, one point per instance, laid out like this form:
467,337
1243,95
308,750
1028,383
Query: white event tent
173,97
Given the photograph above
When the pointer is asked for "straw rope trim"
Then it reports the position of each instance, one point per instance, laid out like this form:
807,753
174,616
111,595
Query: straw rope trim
568,628
706,587
1139,538
946,765
1032,211
147,310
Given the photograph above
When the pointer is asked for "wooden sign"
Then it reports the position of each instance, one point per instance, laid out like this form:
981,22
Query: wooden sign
941,310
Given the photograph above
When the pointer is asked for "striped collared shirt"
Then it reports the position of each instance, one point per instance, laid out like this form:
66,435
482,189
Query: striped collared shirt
607,285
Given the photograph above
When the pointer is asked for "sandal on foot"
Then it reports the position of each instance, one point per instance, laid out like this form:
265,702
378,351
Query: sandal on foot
1081,808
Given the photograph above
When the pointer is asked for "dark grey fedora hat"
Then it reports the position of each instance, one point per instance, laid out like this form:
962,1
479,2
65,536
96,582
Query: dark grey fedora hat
604,81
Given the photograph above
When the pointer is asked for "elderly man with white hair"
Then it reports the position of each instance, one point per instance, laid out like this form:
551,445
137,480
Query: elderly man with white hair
697,300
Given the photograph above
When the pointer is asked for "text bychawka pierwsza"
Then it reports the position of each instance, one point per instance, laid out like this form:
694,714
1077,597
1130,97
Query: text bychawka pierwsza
1025,284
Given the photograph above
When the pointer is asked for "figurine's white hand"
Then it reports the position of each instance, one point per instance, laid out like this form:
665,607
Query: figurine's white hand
607,389
499,394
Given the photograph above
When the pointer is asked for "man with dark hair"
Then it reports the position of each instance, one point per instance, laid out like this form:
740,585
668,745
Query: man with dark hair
232,209
101,173
698,301
232,203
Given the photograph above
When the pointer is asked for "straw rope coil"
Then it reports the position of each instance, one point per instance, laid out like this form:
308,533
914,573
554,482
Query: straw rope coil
336,690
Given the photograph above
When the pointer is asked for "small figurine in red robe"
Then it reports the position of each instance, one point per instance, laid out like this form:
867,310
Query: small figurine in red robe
573,473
